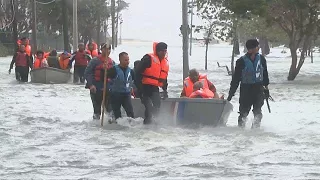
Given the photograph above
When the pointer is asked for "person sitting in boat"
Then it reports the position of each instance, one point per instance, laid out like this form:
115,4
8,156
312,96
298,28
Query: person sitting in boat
194,76
53,60
40,60
64,60
81,58
200,92
92,49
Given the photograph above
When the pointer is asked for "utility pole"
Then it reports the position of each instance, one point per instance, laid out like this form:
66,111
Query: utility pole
185,33
65,31
75,24
34,27
113,41
14,24
120,35
191,23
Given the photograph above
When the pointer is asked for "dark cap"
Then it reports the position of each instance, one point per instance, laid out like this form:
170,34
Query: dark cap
161,46
39,52
252,43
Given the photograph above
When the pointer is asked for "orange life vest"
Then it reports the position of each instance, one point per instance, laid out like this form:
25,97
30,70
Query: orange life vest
188,84
46,54
164,71
80,58
151,75
28,47
94,52
204,93
38,63
64,62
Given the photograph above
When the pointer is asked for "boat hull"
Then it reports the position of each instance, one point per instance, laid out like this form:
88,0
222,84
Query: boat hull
186,111
49,75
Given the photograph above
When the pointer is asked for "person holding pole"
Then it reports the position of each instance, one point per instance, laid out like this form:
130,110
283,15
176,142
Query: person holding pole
251,70
95,75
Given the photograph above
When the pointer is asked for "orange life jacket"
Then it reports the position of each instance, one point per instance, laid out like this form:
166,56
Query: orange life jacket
64,62
28,47
164,71
46,54
204,93
94,52
151,75
99,70
80,58
38,63
188,84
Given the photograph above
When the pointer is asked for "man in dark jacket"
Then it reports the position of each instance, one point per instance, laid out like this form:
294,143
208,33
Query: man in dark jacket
23,62
94,74
148,71
251,70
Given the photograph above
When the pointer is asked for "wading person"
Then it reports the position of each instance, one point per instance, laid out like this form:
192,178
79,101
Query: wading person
251,71
94,74
23,62
120,86
153,71
81,58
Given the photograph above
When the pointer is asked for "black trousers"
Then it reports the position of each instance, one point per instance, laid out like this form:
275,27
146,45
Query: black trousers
251,96
22,73
120,99
78,74
96,99
151,101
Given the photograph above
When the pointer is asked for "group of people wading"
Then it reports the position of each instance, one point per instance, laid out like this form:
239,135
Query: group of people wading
149,74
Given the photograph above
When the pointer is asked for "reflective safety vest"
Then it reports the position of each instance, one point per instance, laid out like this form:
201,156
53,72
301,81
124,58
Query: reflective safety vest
203,93
21,59
151,75
122,83
188,84
253,70
99,70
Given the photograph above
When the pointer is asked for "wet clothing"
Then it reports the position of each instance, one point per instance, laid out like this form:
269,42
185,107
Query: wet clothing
23,62
150,93
120,90
94,74
81,61
253,75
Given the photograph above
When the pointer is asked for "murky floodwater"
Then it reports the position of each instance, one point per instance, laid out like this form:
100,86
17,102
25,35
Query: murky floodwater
46,131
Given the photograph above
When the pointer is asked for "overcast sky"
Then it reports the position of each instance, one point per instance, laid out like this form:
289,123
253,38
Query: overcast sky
154,20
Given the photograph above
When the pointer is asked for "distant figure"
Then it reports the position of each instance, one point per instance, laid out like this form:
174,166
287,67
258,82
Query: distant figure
40,60
94,75
120,86
251,71
23,62
193,77
200,92
26,42
153,69
92,49
81,58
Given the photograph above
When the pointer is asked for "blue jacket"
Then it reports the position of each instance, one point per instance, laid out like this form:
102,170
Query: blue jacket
123,80
252,72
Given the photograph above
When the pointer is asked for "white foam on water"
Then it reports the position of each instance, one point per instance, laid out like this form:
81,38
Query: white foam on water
47,131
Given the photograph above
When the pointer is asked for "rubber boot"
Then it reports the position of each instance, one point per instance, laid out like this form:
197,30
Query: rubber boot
257,121
96,116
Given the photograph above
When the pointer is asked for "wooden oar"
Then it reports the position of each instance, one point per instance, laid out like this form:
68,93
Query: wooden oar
104,90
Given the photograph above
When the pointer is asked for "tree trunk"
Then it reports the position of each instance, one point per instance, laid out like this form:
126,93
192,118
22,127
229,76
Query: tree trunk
236,46
98,28
14,25
206,57
65,27
294,58
232,58
311,54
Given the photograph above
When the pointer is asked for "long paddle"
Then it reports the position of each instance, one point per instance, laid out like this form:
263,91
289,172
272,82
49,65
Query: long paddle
104,89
